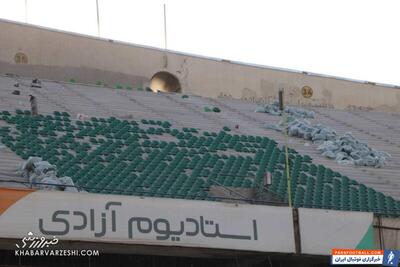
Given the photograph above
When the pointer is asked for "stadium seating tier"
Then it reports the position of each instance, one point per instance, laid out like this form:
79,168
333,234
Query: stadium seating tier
152,158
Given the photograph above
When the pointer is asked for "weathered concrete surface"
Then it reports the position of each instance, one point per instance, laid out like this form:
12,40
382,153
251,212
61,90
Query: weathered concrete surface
61,56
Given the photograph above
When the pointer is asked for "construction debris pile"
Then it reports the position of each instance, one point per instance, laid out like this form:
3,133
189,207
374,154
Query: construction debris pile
44,175
344,149
303,129
273,109
347,149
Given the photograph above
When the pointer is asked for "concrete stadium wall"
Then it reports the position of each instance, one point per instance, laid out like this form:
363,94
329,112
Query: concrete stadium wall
59,55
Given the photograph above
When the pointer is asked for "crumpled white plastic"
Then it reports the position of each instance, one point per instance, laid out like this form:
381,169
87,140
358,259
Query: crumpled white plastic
350,150
346,149
44,175
273,109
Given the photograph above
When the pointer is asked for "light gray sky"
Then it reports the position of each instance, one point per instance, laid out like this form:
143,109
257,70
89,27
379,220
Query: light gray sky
357,39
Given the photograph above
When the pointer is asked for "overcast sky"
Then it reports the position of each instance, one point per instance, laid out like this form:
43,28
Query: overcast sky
357,39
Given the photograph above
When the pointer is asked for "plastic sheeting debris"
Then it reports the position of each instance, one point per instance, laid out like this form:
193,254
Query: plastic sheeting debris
304,129
349,150
317,133
44,174
273,109
346,149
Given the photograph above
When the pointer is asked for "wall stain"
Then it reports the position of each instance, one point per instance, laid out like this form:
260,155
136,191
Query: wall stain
79,74
183,74
248,94
224,95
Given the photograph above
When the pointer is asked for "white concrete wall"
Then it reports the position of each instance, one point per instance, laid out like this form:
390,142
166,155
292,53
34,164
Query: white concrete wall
62,56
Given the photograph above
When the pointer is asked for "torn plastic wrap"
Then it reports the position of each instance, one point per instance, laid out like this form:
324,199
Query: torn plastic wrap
346,149
44,175
304,129
273,109
27,167
69,184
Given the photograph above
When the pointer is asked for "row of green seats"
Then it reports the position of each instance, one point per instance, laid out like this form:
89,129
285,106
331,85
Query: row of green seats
109,155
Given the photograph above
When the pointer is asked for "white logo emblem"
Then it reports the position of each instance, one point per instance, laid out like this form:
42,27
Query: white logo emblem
37,242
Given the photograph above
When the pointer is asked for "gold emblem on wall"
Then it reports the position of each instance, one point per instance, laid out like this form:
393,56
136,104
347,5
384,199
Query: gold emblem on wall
307,91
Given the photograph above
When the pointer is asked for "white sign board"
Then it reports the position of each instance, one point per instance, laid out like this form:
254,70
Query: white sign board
323,230
150,221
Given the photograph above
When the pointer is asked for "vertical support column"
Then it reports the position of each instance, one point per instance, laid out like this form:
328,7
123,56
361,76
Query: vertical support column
98,18
283,113
165,56
296,230
165,27
26,11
